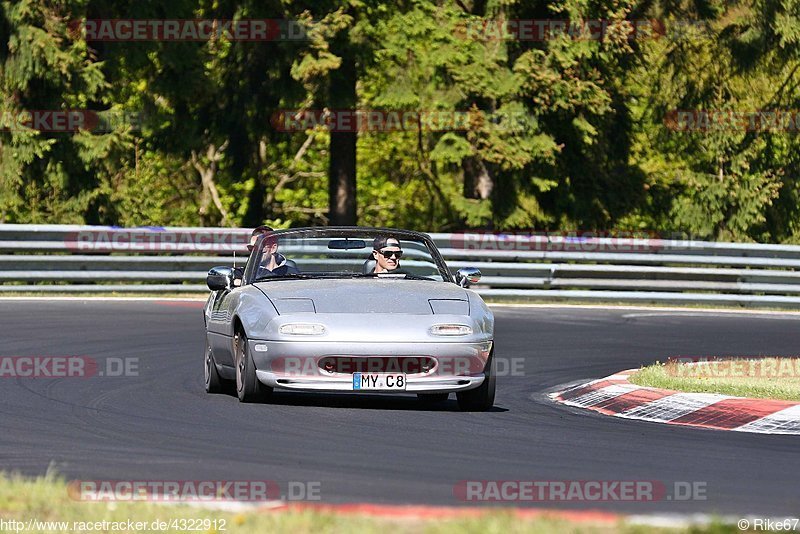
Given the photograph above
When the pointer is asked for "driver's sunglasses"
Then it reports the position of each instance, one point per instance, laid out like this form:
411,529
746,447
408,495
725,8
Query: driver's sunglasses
389,253
267,244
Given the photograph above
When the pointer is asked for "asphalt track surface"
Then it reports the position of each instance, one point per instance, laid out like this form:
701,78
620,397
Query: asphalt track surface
160,425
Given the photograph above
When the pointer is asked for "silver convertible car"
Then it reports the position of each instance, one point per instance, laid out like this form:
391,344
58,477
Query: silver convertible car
348,309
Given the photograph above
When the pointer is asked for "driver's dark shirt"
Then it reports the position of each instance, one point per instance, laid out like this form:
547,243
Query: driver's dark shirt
282,269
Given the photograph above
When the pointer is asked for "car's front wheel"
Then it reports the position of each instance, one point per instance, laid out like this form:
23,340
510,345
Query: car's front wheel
481,398
214,383
248,387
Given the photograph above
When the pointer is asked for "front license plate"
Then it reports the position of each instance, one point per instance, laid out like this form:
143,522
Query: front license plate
379,381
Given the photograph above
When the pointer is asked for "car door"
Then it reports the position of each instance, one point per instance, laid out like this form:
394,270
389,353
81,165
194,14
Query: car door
220,317
219,325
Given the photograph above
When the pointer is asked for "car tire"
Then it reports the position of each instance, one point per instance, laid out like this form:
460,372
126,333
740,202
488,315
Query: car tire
432,398
248,387
214,383
481,398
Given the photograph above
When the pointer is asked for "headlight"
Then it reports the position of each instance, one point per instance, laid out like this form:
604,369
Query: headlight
450,330
302,329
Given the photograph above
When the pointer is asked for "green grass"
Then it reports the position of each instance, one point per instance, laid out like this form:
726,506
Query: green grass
47,499
763,378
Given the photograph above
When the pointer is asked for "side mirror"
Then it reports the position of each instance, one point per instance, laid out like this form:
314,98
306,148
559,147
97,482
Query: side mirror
220,278
467,276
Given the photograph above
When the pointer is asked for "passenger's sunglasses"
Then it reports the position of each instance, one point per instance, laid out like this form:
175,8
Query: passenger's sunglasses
389,253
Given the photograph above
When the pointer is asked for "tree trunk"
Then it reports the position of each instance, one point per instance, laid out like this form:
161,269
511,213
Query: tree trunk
478,182
342,159
207,174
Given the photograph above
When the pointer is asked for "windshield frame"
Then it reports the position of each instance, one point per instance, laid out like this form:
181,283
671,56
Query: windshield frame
357,232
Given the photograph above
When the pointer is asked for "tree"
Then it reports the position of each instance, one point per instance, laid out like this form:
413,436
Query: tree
720,178
49,176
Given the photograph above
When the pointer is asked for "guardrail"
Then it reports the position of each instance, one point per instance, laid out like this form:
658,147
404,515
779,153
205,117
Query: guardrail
77,258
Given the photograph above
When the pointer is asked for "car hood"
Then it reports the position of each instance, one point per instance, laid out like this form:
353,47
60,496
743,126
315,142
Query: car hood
365,295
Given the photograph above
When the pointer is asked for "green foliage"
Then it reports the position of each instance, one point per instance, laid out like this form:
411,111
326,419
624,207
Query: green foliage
45,177
564,132
724,182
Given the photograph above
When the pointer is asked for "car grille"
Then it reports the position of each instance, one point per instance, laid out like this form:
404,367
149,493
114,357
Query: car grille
377,364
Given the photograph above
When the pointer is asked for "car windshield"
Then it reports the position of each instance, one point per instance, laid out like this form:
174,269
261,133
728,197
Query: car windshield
315,254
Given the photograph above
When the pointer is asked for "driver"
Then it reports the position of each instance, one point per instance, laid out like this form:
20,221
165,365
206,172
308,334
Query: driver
387,253
263,229
274,263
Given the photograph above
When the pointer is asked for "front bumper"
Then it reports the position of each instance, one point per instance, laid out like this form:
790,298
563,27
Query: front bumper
295,365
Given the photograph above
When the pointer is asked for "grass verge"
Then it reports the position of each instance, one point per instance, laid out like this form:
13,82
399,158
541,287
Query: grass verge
46,499
763,378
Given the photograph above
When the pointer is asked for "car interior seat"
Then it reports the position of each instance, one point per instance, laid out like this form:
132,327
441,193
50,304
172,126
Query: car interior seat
292,267
369,266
